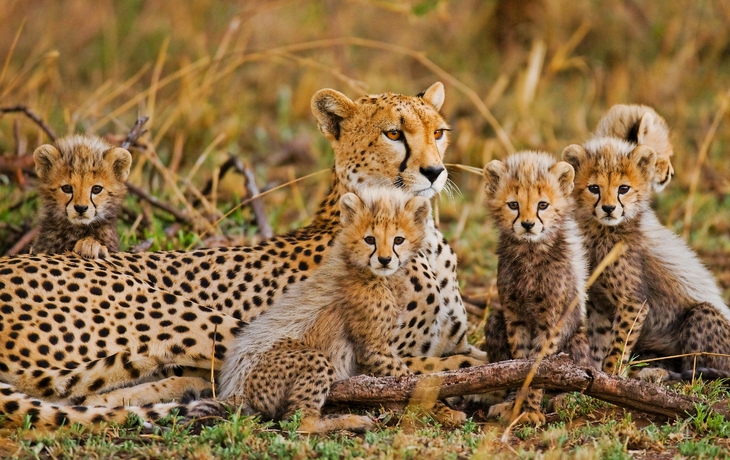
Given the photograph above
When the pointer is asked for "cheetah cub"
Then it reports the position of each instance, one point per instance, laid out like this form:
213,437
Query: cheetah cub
657,299
541,267
641,125
336,324
82,185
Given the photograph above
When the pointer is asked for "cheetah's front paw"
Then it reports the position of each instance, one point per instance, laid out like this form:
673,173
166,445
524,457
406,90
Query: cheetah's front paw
89,248
504,411
652,374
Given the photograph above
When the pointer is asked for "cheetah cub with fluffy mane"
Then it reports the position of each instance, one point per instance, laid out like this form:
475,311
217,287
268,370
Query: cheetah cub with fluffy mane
337,323
641,125
82,185
657,299
541,267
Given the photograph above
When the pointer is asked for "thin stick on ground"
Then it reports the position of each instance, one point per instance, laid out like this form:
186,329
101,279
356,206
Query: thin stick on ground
23,242
250,199
154,201
135,133
33,116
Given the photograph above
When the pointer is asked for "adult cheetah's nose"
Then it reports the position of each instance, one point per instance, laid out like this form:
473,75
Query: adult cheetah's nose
608,209
528,225
80,209
384,260
432,172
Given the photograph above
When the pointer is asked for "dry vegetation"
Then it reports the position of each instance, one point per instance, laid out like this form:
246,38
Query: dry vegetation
221,78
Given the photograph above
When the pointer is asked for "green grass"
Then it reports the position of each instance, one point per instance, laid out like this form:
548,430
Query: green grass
238,88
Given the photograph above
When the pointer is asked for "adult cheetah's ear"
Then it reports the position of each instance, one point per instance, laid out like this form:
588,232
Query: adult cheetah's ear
434,95
330,107
565,174
350,204
575,155
120,161
492,172
644,157
45,157
420,208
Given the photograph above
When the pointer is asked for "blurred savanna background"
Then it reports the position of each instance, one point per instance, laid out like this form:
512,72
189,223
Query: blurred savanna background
224,78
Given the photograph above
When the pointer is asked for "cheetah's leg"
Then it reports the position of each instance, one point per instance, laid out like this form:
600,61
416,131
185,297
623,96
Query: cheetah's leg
705,329
90,248
173,388
625,332
599,335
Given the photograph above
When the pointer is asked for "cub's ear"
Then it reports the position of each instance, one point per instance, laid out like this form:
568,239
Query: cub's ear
350,205
120,161
420,208
45,157
645,158
330,107
646,124
575,155
434,95
492,172
565,174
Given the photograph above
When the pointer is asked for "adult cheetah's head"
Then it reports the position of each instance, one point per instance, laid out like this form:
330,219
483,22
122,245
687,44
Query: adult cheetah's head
386,139
82,178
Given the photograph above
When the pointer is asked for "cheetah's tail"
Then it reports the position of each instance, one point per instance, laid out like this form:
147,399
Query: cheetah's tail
18,409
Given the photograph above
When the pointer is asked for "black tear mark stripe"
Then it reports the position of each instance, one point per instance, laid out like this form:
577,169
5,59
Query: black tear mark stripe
598,200
518,216
404,163
623,208
91,198
540,219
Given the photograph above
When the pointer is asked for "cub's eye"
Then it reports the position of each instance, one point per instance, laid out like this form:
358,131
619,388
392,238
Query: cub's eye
394,134
543,205
96,189
438,134
370,240
398,240
513,205
594,189
622,189
67,189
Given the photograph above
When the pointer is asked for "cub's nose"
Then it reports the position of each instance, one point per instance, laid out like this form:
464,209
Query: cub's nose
80,209
384,260
608,209
528,225
432,172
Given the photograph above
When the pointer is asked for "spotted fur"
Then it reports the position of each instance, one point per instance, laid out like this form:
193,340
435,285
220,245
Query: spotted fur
81,188
158,312
541,268
657,299
641,125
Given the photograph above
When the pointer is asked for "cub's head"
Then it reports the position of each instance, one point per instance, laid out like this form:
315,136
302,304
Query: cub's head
386,140
641,125
613,178
528,194
82,178
382,229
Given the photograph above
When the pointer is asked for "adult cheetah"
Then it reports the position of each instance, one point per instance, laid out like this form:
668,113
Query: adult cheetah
75,331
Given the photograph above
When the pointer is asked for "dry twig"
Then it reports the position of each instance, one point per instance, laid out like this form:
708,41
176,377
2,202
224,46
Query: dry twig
33,116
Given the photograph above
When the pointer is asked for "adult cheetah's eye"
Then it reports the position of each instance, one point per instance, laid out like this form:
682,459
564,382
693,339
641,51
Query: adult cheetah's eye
513,205
67,189
623,189
398,240
394,134
96,189
370,240
543,205
594,189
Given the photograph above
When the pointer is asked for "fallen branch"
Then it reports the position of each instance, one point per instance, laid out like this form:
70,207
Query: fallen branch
555,373
135,133
256,203
23,242
33,116
180,216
